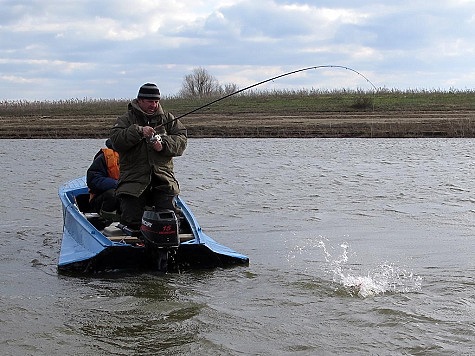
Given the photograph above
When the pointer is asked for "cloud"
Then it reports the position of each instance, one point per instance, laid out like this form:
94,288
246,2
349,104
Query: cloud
56,49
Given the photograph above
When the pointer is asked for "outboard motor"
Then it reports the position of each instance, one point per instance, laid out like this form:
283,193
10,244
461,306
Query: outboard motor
160,232
160,228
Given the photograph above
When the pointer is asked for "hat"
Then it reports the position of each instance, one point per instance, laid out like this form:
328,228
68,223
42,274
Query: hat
149,91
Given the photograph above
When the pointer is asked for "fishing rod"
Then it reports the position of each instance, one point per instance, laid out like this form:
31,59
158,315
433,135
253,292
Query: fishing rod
265,81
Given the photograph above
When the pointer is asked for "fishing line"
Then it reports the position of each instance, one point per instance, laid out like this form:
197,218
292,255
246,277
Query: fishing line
269,80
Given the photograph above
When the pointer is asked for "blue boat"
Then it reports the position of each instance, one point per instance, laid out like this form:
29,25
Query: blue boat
91,244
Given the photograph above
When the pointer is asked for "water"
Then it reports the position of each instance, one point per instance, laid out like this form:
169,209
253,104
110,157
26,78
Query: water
356,247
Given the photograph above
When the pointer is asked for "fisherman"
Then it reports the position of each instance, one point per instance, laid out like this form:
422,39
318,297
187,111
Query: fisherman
101,180
147,139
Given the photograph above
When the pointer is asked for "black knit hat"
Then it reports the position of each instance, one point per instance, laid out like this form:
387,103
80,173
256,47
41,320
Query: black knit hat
149,91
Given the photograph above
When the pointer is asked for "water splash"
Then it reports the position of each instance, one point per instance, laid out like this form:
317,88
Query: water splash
384,278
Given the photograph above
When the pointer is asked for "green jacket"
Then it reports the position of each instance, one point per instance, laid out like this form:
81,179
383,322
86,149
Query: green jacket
138,160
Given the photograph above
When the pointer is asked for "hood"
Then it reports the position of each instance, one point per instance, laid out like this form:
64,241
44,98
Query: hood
135,106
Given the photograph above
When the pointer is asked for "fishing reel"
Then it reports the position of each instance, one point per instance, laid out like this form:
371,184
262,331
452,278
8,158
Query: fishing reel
155,138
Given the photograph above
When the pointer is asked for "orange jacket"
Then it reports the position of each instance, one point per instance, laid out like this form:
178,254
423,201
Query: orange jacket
112,162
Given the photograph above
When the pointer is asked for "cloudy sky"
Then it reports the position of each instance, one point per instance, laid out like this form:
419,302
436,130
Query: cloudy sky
62,49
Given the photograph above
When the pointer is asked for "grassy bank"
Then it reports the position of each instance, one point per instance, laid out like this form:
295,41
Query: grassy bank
386,113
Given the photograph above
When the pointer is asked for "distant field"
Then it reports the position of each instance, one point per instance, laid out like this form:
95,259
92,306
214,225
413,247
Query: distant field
276,114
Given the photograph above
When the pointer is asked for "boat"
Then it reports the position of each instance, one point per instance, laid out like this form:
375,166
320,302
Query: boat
91,244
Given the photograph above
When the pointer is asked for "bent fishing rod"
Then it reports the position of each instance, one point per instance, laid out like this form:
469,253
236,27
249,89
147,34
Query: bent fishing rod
265,81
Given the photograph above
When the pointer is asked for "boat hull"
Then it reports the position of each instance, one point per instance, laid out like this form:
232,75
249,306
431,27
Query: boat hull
84,248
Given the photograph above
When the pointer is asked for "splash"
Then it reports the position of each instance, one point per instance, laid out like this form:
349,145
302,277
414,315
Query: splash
384,278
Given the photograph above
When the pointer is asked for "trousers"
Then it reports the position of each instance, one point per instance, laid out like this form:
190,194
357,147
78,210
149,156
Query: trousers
132,207
106,201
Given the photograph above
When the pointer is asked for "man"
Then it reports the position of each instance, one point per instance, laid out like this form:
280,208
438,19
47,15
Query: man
146,159
101,178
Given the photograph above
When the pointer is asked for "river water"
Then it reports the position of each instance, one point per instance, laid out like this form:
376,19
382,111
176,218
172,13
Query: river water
356,246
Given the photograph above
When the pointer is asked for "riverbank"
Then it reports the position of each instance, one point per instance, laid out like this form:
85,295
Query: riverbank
324,115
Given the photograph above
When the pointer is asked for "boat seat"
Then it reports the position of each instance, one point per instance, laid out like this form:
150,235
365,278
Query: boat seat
90,216
114,233
186,237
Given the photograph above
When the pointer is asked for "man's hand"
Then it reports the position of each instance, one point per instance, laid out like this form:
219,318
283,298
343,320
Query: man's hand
148,131
158,146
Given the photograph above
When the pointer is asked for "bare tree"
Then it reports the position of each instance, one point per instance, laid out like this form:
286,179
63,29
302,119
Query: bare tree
230,88
199,84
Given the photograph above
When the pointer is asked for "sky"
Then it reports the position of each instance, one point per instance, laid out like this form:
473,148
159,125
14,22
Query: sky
54,50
